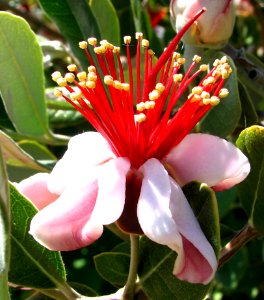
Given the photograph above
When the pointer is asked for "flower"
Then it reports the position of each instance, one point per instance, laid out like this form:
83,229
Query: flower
131,170
212,29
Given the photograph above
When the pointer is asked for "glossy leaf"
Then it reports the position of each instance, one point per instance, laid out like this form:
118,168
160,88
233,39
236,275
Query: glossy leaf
113,267
251,142
157,261
222,119
105,14
31,264
75,21
4,230
22,83
16,156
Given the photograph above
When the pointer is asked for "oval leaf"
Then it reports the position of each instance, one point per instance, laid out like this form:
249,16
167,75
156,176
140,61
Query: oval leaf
251,190
22,83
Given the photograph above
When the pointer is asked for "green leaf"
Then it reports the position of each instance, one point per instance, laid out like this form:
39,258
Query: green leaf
22,82
105,14
113,267
157,261
222,119
31,264
16,156
4,230
251,142
75,21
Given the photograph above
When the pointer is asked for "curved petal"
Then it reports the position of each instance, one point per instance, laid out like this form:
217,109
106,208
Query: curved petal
197,261
111,191
159,198
208,159
66,224
36,190
153,211
84,151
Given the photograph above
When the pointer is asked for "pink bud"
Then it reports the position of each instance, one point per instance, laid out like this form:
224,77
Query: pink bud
212,29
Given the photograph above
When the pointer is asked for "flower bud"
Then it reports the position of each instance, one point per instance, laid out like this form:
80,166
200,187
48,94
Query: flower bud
212,29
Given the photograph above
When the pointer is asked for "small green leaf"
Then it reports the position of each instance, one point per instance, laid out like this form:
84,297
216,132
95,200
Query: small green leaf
31,264
4,230
22,83
113,267
222,119
157,261
251,142
16,156
105,14
75,21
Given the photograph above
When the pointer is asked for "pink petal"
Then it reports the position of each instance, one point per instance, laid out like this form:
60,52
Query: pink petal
208,159
112,188
85,150
197,262
36,190
159,198
67,223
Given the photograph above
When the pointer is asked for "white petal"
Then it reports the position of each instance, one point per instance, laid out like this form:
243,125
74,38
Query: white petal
111,193
84,151
208,159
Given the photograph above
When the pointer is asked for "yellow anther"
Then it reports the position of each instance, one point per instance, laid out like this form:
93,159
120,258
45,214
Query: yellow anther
61,81
82,84
117,84
127,39
208,81
214,100
177,77
149,104
139,35
176,55
58,93
203,68
90,84
107,45
76,95
223,93
72,68
154,95
92,41
181,60
176,65
99,50
108,80
69,77
91,69
145,43
197,90
205,95
151,52
83,44
82,76
224,74
125,87
140,106
206,101
216,63
92,76
140,118
160,87
195,98
223,60
56,75
216,73
197,58
116,50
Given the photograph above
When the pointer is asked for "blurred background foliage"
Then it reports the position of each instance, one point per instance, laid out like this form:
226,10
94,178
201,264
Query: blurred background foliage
59,26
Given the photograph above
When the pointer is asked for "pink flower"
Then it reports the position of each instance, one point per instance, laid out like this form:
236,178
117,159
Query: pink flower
212,29
132,170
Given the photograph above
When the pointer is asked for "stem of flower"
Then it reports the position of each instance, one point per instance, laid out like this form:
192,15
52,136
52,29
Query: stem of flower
132,276
239,240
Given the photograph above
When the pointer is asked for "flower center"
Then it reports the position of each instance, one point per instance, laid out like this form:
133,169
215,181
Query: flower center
135,114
